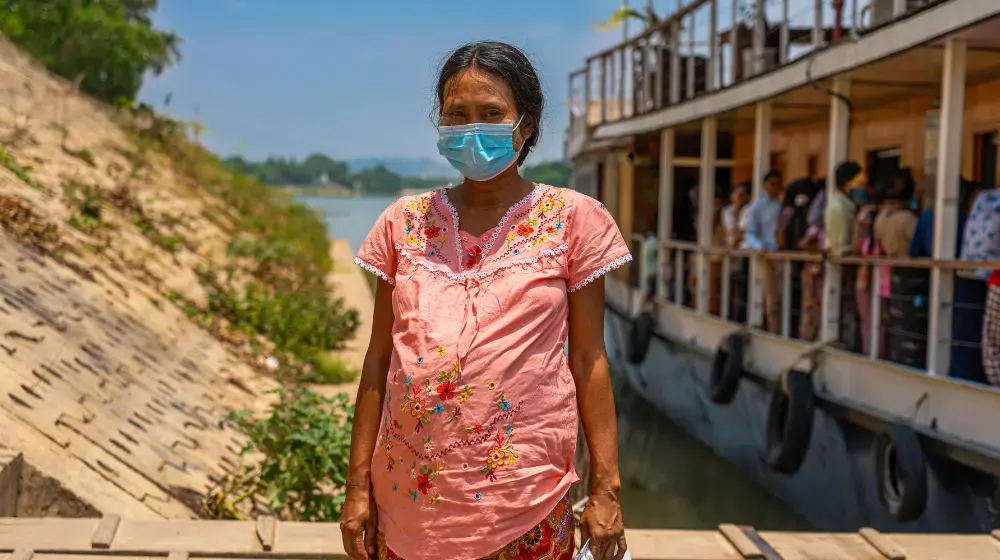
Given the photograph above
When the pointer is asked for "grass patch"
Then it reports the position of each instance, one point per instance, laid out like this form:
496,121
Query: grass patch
89,204
20,172
83,155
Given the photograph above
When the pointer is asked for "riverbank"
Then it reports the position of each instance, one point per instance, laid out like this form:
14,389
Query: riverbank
349,281
144,291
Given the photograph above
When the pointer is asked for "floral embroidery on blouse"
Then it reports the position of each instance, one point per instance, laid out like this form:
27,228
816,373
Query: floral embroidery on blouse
415,406
387,451
422,227
541,223
502,454
424,479
475,255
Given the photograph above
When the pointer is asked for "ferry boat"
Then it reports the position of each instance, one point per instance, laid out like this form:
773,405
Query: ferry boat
708,95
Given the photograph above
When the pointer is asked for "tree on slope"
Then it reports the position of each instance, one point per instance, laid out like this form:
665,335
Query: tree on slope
104,46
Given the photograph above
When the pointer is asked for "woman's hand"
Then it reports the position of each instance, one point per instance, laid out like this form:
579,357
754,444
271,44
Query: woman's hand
359,524
601,524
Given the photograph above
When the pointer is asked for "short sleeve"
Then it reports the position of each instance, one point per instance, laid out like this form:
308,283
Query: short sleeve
377,253
596,246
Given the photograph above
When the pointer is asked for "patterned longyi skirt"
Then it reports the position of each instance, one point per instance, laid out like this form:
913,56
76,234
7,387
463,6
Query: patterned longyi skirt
552,539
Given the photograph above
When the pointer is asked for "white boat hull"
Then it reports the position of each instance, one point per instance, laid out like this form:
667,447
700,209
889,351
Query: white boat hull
835,489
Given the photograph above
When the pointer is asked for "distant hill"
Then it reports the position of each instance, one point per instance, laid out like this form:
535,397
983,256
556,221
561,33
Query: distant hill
407,167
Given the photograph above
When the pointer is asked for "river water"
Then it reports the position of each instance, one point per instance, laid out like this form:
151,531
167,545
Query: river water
669,479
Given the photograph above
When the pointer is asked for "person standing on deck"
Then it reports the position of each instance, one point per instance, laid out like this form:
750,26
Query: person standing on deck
894,227
466,420
793,225
839,224
840,210
991,331
734,224
812,273
734,215
966,314
980,242
761,235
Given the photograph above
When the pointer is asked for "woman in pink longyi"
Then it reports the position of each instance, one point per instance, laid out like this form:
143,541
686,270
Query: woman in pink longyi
466,421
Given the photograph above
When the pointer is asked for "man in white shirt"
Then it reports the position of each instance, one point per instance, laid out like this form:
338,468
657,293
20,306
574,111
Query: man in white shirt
734,215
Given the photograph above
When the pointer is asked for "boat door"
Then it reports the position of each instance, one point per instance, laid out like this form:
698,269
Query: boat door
884,165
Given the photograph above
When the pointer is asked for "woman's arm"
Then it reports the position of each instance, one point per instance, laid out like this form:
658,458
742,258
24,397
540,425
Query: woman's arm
358,523
602,520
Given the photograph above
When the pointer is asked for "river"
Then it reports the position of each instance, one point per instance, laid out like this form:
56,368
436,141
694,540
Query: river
669,479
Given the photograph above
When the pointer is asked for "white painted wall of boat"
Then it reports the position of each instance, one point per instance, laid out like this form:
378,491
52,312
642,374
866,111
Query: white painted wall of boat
957,412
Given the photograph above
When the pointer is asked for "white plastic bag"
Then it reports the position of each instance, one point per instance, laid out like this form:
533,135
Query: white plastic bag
585,553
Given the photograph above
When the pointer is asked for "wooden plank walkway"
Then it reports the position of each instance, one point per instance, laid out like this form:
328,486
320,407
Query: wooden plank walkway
115,538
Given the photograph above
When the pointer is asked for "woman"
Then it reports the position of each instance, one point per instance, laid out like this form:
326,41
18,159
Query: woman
465,393
863,243
812,272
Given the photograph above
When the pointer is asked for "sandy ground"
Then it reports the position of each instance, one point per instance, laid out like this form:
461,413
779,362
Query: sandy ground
349,282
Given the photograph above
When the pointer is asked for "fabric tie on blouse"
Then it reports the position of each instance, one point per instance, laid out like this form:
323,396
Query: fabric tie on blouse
470,323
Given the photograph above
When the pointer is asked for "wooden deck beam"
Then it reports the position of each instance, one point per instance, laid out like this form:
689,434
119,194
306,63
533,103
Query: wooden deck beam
43,539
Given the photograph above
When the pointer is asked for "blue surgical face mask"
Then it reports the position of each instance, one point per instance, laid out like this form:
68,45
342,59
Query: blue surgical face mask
479,151
860,196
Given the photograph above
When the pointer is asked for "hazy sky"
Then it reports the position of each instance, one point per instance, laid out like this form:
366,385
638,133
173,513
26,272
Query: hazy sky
353,79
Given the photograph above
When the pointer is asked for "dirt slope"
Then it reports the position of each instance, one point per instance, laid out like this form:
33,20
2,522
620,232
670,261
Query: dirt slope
105,386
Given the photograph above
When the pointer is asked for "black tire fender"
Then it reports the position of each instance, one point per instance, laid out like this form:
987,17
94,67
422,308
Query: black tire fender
790,422
901,472
727,369
640,337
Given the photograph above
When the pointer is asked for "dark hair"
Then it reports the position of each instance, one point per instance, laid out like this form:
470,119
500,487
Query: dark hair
845,172
903,185
508,63
772,174
881,193
745,186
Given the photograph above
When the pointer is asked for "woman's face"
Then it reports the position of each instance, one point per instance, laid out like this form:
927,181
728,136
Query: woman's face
739,196
475,96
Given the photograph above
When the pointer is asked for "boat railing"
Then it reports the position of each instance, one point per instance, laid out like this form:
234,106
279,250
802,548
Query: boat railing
708,45
884,303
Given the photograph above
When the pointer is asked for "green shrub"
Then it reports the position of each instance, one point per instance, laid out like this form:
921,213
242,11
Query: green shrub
329,370
306,323
303,447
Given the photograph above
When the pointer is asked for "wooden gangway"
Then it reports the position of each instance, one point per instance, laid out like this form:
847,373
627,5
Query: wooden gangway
115,538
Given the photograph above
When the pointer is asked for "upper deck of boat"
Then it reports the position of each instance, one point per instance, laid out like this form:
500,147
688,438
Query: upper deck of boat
112,537
719,57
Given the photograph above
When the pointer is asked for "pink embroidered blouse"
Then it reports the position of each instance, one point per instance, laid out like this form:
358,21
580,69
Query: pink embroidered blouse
479,423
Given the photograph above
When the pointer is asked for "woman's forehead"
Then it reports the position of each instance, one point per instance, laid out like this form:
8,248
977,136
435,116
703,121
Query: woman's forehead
476,86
